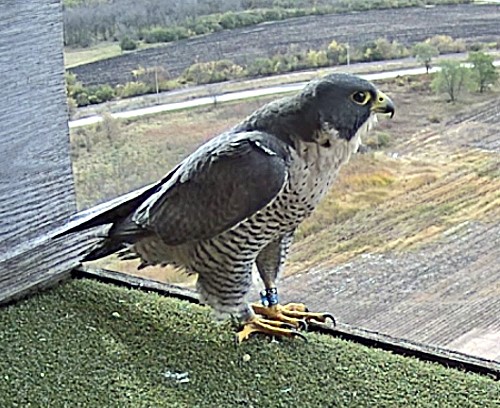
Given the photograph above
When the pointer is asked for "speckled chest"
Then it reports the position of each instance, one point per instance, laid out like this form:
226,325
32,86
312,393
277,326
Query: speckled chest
312,171
314,168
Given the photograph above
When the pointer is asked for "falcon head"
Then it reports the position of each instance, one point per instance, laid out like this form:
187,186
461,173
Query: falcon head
344,103
340,104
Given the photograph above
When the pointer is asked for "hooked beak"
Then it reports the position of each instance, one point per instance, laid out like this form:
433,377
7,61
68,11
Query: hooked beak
383,104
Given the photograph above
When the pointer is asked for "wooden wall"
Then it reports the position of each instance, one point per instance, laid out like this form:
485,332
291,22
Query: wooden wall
36,183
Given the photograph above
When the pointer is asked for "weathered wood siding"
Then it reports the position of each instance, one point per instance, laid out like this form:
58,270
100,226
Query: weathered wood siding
36,184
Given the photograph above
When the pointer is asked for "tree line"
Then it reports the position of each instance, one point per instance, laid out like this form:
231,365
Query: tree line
154,79
87,22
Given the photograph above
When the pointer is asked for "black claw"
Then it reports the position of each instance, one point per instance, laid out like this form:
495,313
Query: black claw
298,334
302,324
330,316
288,326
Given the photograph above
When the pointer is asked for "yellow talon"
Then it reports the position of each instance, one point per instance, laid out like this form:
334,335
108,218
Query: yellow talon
278,313
280,320
295,314
269,327
297,307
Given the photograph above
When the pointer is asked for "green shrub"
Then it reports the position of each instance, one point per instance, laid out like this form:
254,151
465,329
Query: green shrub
205,25
287,63
247,18
169,84
336,53
82,99
130,89
281,63
446,44
199,29
315,59
474,47
109,127
84,96
384,139
228,20
127,44
103,93
434,118
165,34
382,49
298,13
274,14
75,91
261,67
212,71
72,105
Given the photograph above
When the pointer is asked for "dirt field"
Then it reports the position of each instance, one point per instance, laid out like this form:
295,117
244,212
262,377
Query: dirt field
470,22
439,283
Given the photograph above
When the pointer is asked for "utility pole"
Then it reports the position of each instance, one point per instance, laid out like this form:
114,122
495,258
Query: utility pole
156,84
348,56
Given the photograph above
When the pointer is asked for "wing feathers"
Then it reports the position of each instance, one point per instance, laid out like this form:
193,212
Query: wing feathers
214,192
221,184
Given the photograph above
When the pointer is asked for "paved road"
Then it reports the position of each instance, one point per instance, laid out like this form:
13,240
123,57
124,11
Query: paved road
234,96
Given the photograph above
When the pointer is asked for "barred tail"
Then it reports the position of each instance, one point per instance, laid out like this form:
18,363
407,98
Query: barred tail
102,249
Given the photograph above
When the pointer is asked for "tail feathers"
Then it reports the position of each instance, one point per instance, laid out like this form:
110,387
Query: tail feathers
126,255
115,211
102,249
99,217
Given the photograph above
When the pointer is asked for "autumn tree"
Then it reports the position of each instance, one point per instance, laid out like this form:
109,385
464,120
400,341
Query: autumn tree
424,52
483,71
336,53
383,49
446,44
452,79
317,58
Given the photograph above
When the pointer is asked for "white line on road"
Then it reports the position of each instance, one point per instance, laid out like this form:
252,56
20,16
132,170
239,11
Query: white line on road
234,96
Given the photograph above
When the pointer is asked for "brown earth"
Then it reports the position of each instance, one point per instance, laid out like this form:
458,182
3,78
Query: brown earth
473,23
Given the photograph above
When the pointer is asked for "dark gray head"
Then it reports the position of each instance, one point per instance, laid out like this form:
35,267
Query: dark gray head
338,101
344,102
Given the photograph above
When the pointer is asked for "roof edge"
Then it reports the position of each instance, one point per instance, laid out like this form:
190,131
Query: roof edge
369,338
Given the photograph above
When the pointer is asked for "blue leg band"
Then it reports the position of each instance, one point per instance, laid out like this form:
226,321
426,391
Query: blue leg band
269,297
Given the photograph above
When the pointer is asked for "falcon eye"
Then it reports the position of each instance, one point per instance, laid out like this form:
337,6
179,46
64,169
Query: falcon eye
361,97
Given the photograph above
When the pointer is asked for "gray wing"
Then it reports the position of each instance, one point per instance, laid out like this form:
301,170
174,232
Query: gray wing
214,189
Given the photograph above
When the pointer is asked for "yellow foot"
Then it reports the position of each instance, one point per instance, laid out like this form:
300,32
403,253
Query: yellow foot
269,327
295,314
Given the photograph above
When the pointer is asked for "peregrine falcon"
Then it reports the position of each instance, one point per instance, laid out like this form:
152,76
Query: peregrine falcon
239,198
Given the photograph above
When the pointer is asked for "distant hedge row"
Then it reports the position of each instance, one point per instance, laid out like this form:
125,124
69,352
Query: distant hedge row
153,21
230,20
147,80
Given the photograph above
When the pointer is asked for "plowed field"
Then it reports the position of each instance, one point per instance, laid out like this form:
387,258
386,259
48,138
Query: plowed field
408,25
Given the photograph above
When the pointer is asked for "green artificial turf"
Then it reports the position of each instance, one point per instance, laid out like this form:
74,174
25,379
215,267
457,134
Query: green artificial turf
89,344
